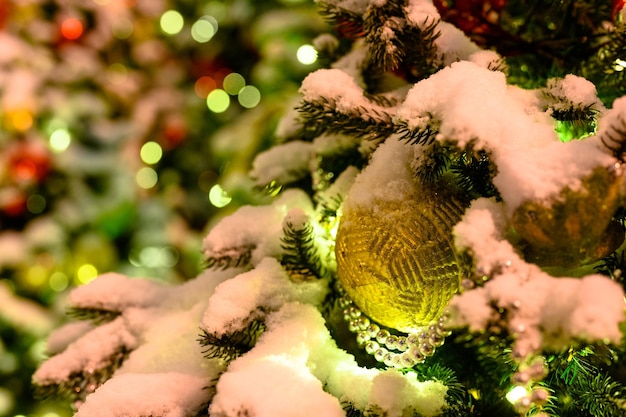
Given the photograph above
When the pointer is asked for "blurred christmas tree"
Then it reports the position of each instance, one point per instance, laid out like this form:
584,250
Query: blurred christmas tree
444,238
108,110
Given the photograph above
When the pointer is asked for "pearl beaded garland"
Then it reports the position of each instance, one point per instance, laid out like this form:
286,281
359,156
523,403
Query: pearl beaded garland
394,351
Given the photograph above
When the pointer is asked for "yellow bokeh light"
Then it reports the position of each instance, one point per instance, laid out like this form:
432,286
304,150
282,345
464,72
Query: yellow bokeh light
86,273
306,54
218,101
172,22
204,29
36,276
233,83
19,119
219,197
146,178
151,152
58,281
249,96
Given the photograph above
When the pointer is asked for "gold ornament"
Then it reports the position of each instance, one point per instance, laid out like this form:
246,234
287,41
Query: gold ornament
396,259
576,228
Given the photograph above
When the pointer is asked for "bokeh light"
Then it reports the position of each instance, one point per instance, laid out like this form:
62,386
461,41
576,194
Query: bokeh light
36,203
204,85
204,29
249,96
151,152
233,83
58,281
71,28
306,54
147,178
172,22
123,29
219,197
218,101
86,273
60,140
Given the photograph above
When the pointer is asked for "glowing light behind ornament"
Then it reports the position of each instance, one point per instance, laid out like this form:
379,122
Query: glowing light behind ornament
306,54
219,197
204,29
151,152
172,22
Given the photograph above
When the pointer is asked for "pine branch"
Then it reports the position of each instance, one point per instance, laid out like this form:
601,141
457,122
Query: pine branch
474,172
301,258
395,42
80,384
95,315
582,385
424,136
321,117
348,23
229,258
230,346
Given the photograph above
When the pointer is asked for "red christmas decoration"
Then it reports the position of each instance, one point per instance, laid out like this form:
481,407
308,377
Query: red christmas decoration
5,12
27,162
618,6
479,17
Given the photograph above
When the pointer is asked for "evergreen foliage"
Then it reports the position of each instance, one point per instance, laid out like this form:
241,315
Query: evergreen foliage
229,258
230,346
95,315
301,258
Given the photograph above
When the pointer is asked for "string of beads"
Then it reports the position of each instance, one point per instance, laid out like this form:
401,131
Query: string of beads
394,351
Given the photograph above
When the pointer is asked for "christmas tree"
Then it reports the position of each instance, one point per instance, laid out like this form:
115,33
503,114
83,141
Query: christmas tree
444,237
116,147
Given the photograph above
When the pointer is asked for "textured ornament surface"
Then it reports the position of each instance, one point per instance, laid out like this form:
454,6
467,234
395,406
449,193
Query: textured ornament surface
396,260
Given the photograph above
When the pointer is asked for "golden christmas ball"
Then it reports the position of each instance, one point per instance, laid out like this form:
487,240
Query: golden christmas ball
396,259
576,227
